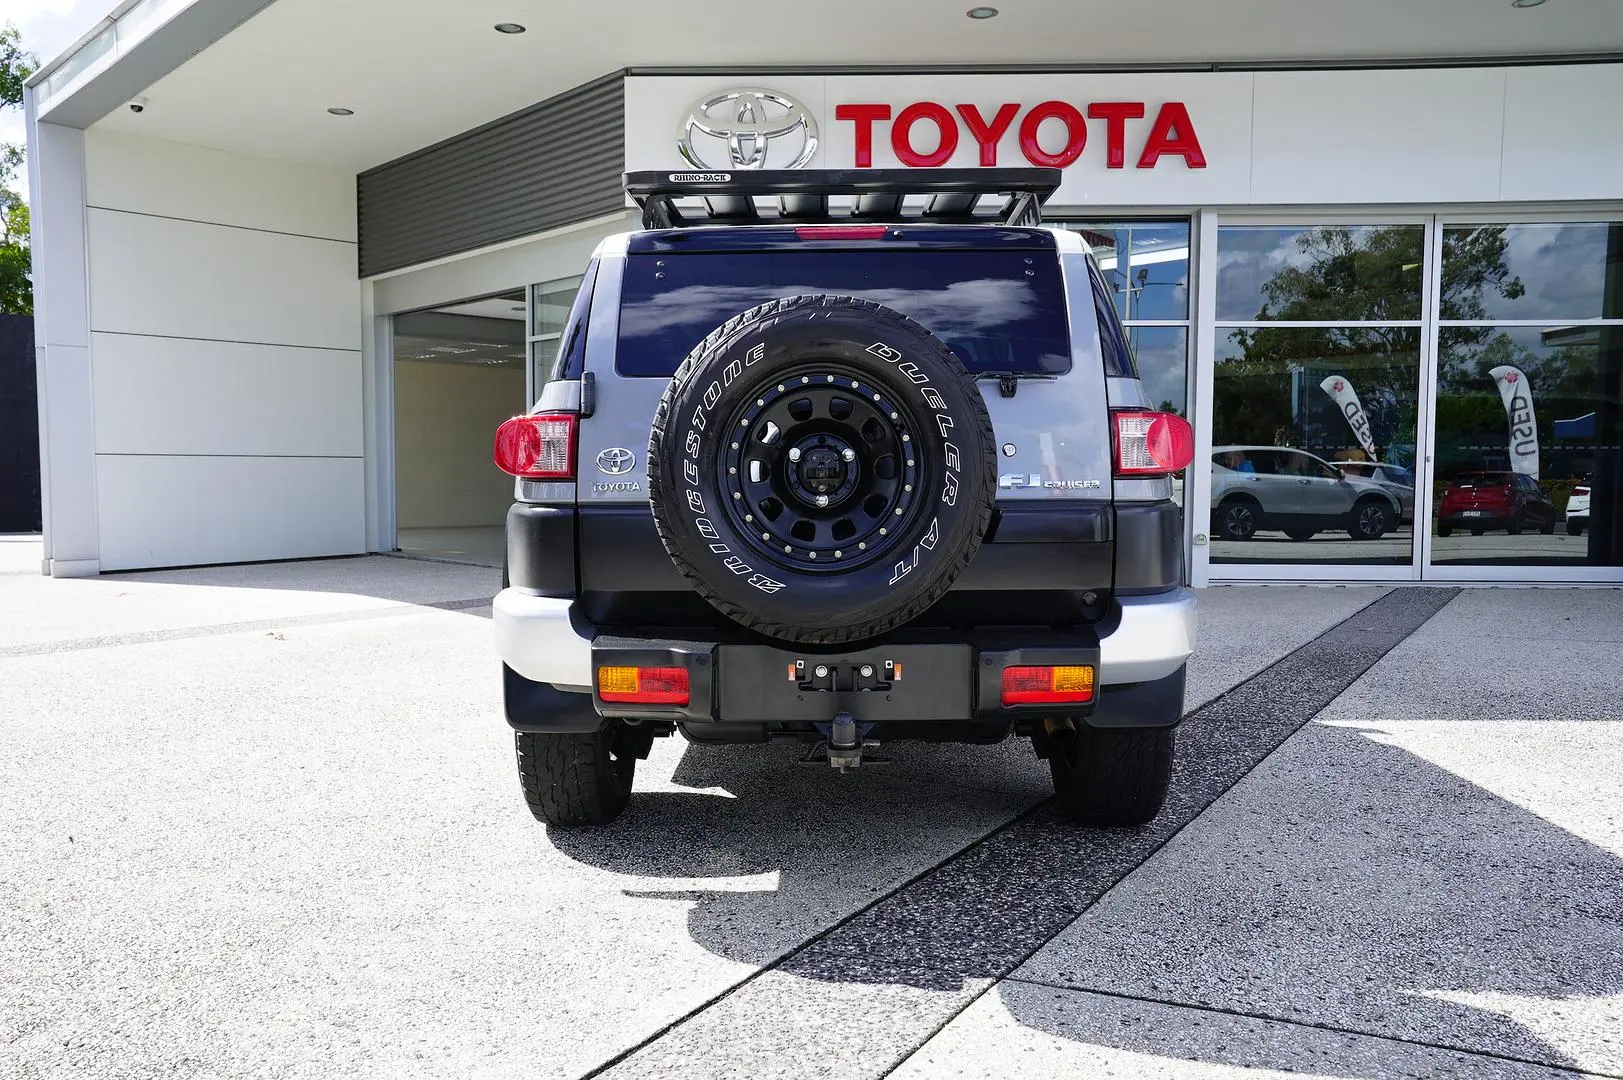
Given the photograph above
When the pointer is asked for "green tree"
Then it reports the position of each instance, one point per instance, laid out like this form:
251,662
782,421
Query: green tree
16,282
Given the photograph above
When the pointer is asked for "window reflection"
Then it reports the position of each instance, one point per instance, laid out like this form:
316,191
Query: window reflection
1528,437
1162,354
1146,265
1313,445
1320,273
1536,271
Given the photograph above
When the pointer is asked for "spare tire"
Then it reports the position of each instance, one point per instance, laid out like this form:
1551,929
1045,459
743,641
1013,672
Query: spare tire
821,469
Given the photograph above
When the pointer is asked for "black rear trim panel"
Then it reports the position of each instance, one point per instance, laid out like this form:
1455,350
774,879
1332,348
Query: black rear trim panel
541,550
1149,548
1039,567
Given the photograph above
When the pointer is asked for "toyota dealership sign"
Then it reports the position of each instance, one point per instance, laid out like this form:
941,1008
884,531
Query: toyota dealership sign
1121,139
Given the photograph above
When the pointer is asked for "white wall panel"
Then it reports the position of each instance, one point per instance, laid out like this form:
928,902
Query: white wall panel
1387,136
1561,137
182,511
171,278
152,176
187,396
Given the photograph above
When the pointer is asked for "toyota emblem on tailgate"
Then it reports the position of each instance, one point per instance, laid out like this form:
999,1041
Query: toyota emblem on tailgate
616,460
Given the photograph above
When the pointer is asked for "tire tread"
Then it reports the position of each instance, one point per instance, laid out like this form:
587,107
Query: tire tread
569,778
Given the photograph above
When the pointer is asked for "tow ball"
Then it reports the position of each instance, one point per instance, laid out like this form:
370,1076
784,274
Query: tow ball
844,744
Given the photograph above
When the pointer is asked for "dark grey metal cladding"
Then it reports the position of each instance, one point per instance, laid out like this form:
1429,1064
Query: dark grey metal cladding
550,165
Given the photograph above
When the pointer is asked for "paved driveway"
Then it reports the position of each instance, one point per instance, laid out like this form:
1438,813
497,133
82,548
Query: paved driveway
264,821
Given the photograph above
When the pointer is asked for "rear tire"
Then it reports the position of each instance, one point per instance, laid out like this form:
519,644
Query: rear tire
1515,525
575,779
1548,528
1112,776
1445,530
1575,528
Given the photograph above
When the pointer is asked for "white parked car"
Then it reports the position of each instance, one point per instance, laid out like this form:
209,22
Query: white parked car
1394,478
1578,510
1295,492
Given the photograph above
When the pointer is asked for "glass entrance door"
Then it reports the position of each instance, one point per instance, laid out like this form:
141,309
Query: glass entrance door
1319,344
1527,432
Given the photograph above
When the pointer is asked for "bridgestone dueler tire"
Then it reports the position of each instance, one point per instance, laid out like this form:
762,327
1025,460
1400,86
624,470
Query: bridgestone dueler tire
1112,776
924,392
574,779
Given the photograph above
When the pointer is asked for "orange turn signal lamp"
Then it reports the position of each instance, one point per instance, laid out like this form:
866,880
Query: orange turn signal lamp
643,685
1047,685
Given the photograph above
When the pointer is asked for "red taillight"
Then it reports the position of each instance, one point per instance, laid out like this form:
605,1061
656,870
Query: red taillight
1580,491
1047,685
643,685
1151,443
840,232
537,447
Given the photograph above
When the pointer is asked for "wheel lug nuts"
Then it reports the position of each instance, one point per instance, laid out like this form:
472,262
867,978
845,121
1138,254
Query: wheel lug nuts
794,453
822,500
848,454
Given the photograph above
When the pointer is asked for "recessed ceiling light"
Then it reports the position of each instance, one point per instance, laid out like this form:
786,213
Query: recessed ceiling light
981,12
509,28
1525,3
339,110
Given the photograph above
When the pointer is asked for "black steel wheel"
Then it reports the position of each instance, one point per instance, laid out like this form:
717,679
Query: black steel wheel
821,469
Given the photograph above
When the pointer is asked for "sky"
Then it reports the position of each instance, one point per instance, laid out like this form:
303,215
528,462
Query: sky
48,27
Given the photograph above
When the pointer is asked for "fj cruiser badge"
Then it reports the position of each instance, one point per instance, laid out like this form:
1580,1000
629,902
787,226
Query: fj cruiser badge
1034,480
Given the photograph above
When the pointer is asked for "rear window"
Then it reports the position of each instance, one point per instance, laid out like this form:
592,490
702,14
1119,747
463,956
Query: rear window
998,310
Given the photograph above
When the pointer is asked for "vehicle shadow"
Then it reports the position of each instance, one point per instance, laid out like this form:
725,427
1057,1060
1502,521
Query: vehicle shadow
802,845
1354,885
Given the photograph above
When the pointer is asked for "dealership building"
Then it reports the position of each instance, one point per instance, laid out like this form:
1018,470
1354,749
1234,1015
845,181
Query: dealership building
295,260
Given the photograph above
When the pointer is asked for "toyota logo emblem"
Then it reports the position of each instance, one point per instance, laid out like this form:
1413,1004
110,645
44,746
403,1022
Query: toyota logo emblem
743,125
616,460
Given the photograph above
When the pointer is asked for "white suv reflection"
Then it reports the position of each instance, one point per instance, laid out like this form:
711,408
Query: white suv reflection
1295,492
1394,478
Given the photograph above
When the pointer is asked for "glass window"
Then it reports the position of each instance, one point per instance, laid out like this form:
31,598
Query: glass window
1287,404
1554,271
998,310
550,308
1326,273
1527,416
1146,265
1162,354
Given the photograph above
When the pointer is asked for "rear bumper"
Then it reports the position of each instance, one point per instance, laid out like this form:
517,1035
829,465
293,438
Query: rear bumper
1146,641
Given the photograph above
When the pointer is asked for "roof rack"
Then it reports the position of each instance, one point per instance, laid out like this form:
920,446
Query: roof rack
798,196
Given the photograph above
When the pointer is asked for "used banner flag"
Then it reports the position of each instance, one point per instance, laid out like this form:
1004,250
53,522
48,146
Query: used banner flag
1346,399
1517,394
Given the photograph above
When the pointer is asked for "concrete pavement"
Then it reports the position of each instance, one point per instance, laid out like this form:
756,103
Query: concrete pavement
264,822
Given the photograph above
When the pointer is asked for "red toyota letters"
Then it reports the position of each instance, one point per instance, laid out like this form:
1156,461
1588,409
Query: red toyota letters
1171,132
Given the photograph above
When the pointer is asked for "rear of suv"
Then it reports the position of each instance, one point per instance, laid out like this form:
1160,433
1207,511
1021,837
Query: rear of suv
845,459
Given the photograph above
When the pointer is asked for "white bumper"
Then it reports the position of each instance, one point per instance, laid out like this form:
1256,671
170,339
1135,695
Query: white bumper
536,637
1155,637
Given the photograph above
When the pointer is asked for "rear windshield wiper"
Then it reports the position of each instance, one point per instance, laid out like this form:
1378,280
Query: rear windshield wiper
1009,381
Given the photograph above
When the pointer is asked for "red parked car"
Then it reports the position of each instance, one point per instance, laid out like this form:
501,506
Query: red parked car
1480,501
